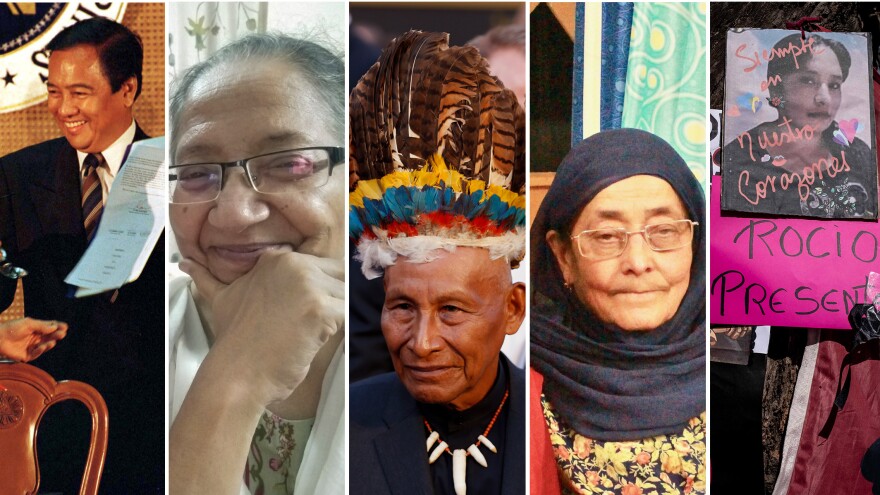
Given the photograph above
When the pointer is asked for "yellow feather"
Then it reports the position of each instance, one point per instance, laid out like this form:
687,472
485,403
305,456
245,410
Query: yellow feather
476,185
503,194
436,163
398,178
453,179
356,197
425,178
370,189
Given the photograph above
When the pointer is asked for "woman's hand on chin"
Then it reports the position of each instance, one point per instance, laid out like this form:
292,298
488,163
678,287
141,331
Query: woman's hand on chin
272,321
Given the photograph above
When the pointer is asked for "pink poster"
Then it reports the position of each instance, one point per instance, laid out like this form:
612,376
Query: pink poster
788,272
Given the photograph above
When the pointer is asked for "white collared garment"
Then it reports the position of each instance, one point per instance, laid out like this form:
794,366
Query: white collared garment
322,470
113,156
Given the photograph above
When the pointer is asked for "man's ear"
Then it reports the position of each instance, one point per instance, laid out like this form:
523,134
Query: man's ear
516,308
128,90
561,248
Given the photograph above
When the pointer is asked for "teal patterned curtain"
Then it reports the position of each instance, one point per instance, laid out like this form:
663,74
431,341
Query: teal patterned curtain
666,78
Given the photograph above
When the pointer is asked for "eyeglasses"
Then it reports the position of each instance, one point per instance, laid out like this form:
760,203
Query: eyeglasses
273,173
601,244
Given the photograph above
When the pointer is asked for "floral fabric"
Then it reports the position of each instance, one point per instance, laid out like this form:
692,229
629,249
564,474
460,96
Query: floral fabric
661,465
276,454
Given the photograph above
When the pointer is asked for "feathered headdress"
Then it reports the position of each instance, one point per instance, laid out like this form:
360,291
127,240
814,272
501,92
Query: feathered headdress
437,156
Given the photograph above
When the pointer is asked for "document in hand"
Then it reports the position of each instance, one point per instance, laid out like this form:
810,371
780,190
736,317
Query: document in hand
133,220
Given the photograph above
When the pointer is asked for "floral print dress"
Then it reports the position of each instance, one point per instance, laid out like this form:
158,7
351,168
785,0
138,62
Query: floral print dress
662,465
276,454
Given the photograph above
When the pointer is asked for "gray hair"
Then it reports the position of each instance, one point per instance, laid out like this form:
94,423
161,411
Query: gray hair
322,67
506,36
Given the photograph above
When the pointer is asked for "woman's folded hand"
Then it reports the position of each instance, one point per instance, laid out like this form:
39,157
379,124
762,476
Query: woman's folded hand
270,323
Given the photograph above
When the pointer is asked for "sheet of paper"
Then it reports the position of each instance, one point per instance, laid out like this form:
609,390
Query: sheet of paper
762,339
132,222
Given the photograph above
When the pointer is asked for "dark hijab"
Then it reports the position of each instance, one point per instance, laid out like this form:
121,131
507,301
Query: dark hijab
607,383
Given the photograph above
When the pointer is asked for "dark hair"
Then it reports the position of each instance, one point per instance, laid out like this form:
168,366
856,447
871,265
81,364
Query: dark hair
120,51
782,66
322,67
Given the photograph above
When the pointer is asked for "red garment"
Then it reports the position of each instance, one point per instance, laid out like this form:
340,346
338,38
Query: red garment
829,464
544,478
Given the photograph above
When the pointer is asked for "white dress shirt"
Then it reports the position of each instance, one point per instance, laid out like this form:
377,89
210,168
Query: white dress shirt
113,156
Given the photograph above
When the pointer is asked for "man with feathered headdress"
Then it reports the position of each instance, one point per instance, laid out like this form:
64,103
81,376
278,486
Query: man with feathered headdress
437,165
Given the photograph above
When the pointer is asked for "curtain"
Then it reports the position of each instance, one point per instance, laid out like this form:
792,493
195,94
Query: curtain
197,30
642,65
616,31
666,78
589,70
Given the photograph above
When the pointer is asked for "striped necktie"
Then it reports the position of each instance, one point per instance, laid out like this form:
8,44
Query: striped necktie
92,193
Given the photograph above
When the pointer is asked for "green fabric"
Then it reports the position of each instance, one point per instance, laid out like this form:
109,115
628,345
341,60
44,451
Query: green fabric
666,78
276,454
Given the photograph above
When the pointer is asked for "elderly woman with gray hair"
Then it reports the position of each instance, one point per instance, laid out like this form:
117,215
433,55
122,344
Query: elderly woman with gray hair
256,371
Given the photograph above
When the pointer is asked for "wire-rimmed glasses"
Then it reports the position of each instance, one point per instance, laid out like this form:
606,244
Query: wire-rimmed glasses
601,244
272,173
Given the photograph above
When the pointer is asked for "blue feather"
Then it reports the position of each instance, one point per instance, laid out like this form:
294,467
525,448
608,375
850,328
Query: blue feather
520,217
374,212
427,200
355,227
476,206
399,203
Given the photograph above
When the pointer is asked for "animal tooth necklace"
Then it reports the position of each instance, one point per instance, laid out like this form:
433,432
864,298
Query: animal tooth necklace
459,456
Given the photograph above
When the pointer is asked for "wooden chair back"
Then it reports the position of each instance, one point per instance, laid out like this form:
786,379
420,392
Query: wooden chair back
26,392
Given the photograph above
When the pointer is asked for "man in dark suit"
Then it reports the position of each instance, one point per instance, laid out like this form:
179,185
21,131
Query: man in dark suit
444,322
115,340
451,417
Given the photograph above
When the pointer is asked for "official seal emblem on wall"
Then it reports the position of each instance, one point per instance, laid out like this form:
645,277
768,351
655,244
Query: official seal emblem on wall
25,29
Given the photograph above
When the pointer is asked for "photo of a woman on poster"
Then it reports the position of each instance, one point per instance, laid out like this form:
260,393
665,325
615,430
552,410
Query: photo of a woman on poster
815,158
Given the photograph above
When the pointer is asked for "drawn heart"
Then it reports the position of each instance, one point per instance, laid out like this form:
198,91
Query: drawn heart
732,111
765,158
756,104
850,128
840,138
749,101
